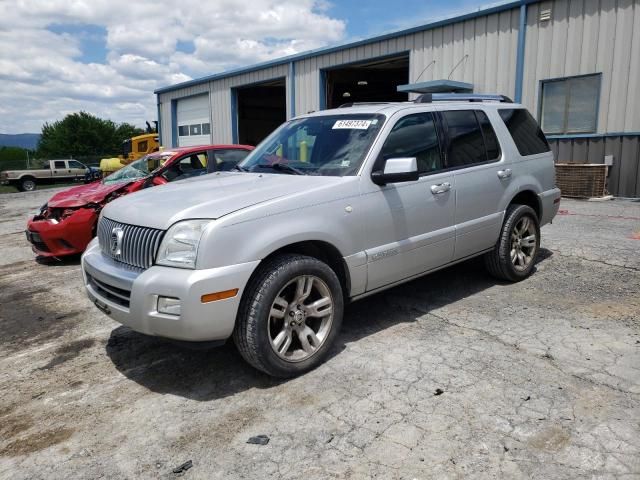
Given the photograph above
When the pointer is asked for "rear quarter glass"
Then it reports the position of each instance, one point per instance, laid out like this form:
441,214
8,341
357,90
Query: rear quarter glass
525,131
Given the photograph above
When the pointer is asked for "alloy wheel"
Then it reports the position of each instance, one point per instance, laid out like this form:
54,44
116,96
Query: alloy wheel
300,318
523,243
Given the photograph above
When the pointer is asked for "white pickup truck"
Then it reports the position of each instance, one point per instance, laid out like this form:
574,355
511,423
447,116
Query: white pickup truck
58,171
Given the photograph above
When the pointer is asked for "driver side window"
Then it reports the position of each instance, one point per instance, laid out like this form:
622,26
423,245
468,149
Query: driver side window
415,136
191,165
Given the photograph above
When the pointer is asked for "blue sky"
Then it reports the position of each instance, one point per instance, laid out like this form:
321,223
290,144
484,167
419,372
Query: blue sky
362,19
372,17
93,40
106,57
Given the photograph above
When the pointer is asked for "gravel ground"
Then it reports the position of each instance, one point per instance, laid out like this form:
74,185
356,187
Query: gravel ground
454,375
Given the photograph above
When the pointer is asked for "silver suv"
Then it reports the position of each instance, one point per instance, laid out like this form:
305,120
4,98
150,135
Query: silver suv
333,206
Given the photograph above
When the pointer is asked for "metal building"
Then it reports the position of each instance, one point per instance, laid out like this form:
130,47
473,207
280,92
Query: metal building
574,63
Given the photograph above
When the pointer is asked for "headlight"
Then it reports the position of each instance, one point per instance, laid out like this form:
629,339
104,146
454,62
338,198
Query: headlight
179,247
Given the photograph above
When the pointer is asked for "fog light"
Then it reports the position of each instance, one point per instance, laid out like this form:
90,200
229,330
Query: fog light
169,305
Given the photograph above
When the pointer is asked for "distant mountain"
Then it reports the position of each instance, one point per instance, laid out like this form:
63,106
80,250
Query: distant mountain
22,140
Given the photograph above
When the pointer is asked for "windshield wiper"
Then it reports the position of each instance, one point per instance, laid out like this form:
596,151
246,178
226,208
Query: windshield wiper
240,169
283,167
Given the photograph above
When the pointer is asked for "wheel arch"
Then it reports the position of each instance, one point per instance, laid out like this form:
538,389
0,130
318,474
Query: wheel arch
320,250
529,198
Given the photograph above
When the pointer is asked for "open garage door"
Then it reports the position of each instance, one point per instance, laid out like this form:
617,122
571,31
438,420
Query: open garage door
370,81
194,127
261,109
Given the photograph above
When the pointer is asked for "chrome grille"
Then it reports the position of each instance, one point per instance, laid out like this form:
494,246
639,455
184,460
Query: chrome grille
138,245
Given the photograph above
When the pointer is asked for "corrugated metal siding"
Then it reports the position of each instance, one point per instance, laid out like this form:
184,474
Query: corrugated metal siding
624,175
588,36
490,43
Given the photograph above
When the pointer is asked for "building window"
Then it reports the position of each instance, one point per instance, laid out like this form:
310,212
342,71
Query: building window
183,130
206,128
195,129
570,105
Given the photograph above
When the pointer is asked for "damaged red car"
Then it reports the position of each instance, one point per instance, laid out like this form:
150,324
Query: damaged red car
67,222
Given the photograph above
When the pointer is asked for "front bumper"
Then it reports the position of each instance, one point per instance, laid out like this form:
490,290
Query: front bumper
550,203
69,236
130,296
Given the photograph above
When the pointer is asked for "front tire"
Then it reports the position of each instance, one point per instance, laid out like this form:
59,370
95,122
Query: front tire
514,255
290,315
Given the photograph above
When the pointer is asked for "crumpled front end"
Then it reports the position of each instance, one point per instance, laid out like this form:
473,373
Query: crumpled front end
58,232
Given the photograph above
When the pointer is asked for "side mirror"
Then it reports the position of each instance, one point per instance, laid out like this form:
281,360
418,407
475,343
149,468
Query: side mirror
397,170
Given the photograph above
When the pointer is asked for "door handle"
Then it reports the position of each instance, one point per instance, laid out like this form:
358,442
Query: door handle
440,188
506,173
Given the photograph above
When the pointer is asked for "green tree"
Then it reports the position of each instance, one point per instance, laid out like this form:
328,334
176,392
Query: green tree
15,158
82,134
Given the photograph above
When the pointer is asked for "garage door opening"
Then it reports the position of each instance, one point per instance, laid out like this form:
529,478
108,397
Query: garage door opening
261,109
370,81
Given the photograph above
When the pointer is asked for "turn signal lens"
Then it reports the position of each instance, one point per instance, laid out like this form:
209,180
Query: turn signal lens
214,297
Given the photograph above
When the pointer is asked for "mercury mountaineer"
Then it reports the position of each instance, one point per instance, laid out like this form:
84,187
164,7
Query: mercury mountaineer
331,207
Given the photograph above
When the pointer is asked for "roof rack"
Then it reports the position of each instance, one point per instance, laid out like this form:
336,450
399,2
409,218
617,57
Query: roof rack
461,97
356,104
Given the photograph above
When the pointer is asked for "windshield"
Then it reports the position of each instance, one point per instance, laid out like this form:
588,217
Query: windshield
138,169
332,145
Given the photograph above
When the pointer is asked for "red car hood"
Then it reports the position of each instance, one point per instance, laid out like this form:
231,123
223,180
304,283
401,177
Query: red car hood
81,195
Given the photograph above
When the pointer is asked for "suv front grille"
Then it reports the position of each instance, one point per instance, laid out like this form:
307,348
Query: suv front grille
129,244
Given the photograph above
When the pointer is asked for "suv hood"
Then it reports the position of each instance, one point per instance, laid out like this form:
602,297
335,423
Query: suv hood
82,195
209,196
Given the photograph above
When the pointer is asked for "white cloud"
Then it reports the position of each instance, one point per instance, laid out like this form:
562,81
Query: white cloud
43,76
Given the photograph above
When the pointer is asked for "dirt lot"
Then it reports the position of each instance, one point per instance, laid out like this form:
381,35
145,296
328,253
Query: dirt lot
450,376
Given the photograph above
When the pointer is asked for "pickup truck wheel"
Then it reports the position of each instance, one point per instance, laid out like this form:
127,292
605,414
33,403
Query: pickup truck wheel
289,316
27,185
514,255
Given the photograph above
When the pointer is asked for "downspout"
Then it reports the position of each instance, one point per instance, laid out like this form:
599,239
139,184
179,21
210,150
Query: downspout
522,32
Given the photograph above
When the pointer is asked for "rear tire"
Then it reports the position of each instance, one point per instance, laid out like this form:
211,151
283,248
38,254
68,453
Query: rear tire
27,185
289,316
514,255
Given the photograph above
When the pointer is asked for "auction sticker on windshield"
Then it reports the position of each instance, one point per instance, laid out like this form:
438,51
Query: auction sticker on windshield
355,124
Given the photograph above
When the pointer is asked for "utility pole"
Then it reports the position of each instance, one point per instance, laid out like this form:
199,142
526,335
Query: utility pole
28,166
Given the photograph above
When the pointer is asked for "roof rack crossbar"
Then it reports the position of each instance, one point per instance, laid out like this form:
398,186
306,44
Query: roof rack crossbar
461,97
355,104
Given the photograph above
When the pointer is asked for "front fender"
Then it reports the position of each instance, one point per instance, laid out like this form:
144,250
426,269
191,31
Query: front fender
251,236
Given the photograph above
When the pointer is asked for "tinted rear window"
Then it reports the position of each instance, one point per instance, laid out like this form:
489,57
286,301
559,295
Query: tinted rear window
525,131
466,144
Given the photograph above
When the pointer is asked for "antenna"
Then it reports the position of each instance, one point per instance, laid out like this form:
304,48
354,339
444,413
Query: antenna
432,62
466,55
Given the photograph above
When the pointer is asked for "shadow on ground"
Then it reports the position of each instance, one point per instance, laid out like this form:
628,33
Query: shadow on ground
59,261
203,375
